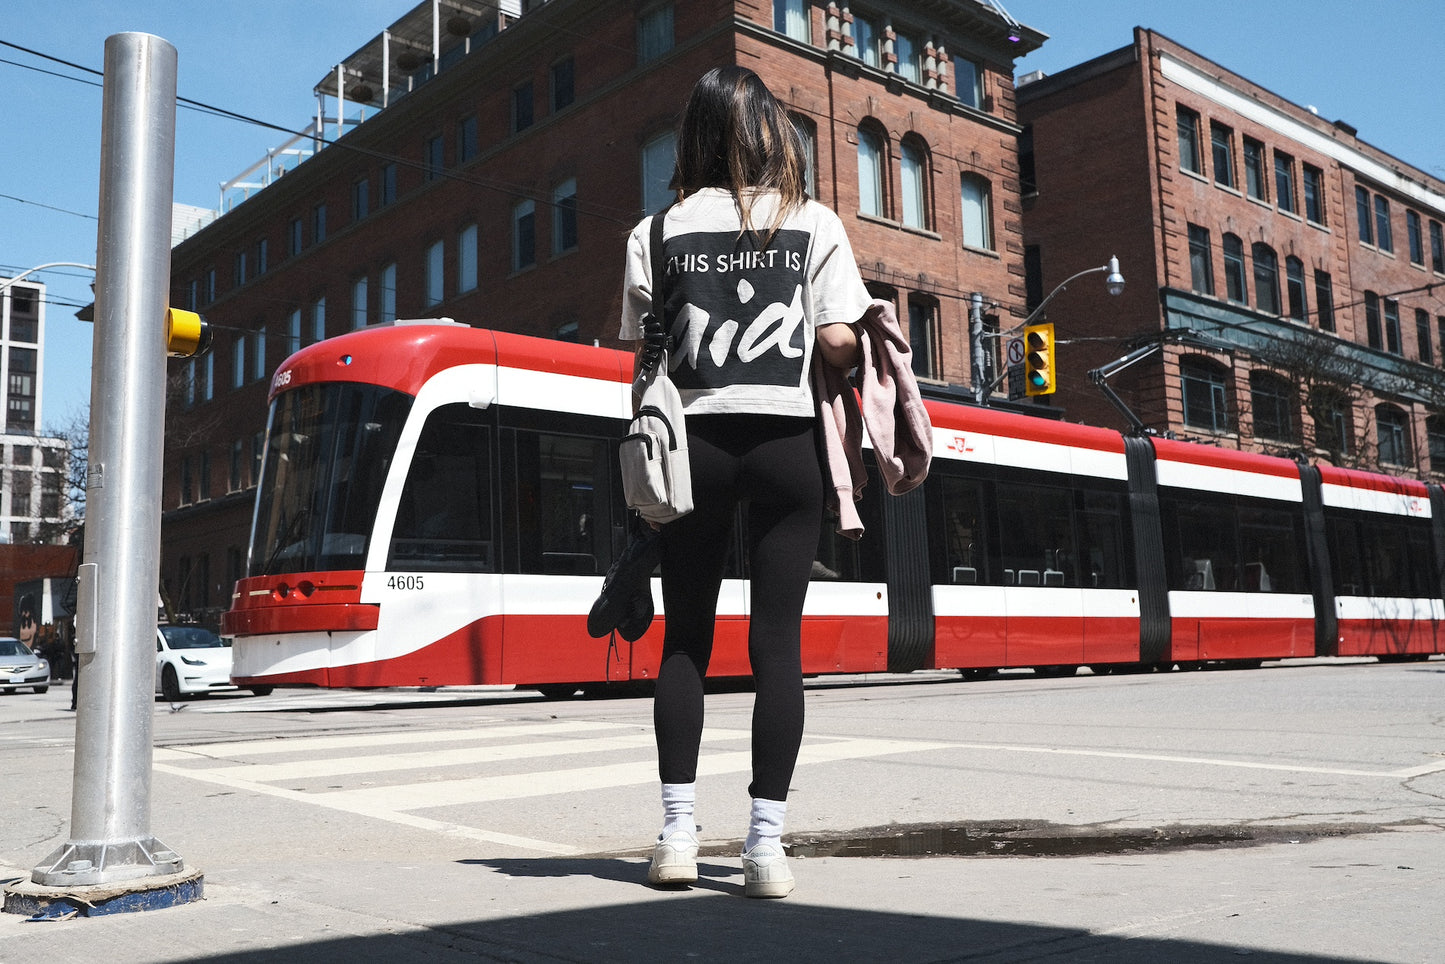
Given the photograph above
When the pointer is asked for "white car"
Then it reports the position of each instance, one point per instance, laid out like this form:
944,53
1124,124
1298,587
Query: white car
20,667
191,660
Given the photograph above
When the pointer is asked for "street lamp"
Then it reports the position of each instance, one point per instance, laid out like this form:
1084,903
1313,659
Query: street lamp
1113,284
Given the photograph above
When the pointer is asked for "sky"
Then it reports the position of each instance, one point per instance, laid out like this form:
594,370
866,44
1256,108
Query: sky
1372,63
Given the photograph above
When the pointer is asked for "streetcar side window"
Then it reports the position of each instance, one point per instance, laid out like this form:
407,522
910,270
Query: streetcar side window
444,519
1105,560
845,560
1037,527
562,516
1379,555
1220,543
965,544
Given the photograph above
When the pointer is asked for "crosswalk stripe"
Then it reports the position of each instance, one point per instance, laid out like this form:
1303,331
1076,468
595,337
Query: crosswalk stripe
305,744
422,796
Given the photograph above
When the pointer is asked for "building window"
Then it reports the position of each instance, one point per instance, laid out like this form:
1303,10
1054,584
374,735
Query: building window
1314,185
190,383
791,17
1272,402
1254,169
923,337
524,235
1384,238
977,232
388,293
1335,430
871,155
387,188
867,40
1372,320
910,57
1205,395
808,134
564,216
1201,268
1294,276
238,461
432,162
435,289
1188,124
1422,336
1437,247
915,185
238,362
563,87
654,34
203,478
522,99
1392,327
1028,169
358,302
293,333
1266,278
208,378
318,224
258,354
318,320
657,164
186,494
1325,300
1435,438
1392,428
360,199
294,237
466,139
968,82
1362,216
1415,237
1234,286
240,268
467,259
263,250
1284,182
1221,141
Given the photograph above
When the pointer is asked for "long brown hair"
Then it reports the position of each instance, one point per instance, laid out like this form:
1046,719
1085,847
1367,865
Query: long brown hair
735,135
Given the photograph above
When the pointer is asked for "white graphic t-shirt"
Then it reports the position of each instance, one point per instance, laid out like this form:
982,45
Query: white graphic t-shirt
743,317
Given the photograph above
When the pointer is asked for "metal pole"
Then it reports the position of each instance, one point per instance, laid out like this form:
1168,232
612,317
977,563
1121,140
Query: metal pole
110,837
975,346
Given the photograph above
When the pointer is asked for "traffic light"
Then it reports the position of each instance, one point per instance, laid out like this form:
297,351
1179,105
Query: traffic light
1039,363
186,333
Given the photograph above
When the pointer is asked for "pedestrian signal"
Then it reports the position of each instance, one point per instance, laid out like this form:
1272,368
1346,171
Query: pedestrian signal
1039,363
186,333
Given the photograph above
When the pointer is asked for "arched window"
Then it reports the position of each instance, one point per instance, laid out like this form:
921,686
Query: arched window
872,167
1234,285
977,230
1206,394
1392,428
1272,402
1266,278
914,184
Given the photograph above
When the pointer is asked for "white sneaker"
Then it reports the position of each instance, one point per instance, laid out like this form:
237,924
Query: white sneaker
766,873
674,859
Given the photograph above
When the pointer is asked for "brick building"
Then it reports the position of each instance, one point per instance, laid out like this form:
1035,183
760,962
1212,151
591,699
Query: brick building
504,158
1291,276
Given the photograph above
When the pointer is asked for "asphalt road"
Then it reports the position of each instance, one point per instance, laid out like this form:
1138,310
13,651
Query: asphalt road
1290,813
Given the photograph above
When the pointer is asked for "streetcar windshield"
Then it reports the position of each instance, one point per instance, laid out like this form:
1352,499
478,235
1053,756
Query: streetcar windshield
327,454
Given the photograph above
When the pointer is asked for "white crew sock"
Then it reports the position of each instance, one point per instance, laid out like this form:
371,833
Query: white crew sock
765,826
678,800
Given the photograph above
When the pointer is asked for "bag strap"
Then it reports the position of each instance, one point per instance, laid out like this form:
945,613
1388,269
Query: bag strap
659,264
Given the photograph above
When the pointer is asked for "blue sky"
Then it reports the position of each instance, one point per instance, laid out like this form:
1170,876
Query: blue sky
1373,63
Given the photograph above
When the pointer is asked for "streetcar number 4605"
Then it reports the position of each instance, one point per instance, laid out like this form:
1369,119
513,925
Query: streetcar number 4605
404,582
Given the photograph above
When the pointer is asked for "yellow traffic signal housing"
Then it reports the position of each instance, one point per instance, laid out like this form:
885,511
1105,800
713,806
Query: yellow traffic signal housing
186,333
1040,366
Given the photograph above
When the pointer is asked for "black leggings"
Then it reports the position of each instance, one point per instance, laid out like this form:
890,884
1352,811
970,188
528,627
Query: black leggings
770,463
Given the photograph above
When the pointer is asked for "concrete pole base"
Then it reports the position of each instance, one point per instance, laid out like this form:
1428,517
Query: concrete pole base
40,902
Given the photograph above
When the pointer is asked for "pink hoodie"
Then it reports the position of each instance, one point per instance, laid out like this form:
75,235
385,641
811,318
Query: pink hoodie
892,413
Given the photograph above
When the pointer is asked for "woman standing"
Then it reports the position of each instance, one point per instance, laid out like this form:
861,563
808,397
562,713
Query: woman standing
757,278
